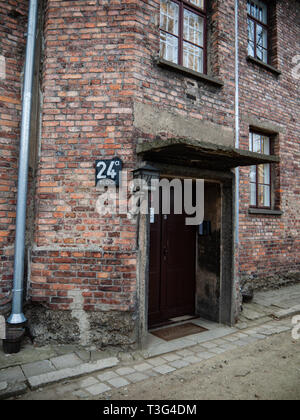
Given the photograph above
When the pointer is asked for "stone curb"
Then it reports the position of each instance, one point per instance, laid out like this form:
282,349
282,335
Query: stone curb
13,390
285,313
70,373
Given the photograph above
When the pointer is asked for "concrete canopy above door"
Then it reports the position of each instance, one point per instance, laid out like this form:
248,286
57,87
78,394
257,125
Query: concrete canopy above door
200,154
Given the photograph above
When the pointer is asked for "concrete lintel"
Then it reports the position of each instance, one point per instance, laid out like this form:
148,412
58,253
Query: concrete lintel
263,125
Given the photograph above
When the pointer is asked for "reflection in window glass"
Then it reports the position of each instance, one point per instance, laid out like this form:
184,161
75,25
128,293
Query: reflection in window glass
260,176
199,3
258,10
267,196
169,16
257,30
267,174
266,145
169,47
253,194
192,57
193,28
182,37
261,43
256,143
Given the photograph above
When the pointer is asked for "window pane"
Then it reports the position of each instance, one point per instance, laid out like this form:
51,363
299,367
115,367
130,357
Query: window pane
260,174
267,202
259,10
261,36
199,3
251,142
251,51
256,143
267,174
249,7
263,12
251,38
262,54
266,145
261,43
250,30
253,194
253,174
264,196
192,57
193,28
261,196
169,47
169,16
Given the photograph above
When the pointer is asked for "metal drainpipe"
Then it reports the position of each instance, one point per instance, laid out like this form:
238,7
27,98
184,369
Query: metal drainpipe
17,316
237,123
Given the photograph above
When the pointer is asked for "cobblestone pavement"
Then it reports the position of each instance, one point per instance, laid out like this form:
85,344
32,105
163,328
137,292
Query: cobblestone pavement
284,298
100,384
59,374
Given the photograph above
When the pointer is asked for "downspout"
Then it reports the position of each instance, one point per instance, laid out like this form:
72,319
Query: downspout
17,316
237,123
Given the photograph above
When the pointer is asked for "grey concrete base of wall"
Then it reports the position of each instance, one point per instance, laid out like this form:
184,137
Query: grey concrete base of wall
274,281
103,329
113,329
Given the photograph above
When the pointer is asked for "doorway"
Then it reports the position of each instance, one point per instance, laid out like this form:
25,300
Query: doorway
172,267
150,240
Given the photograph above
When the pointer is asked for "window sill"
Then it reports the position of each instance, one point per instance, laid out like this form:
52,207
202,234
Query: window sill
188,72
264,65
266,212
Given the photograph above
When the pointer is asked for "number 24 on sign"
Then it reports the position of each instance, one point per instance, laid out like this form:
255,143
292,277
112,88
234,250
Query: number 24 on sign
110,172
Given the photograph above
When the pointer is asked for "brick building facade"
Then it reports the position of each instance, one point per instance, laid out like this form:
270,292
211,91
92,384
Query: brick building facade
102,90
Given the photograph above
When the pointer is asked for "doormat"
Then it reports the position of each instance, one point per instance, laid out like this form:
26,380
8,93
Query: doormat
173,321
178,331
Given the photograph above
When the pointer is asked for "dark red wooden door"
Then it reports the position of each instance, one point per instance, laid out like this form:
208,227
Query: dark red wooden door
172,268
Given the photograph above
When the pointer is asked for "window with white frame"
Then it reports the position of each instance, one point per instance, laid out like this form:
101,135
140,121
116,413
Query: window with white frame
258,29
182,33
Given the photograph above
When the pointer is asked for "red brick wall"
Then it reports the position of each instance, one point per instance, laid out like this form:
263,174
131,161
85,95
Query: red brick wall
270,244
88,86
99,59
168,90
13,20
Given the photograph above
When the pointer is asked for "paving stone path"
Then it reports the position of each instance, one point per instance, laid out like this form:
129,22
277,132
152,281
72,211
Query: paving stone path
95,385
72,376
